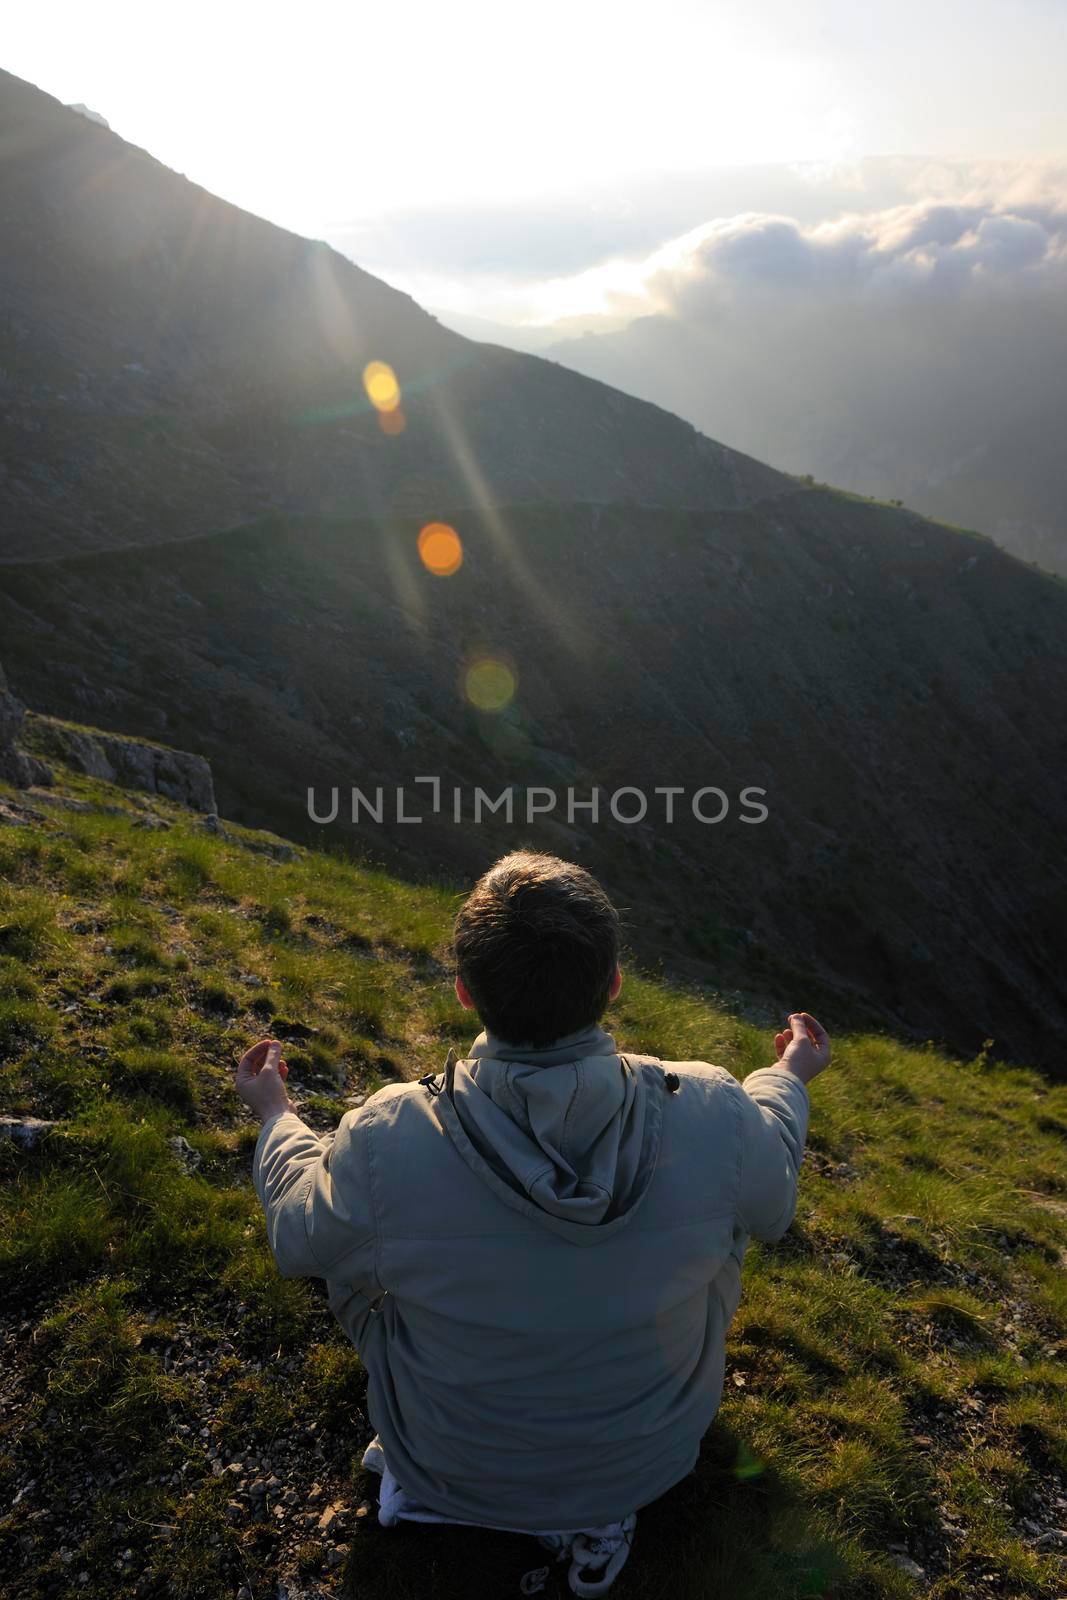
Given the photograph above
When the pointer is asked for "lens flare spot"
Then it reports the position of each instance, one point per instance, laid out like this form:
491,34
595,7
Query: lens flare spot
440,550
392,422
383,391
489,684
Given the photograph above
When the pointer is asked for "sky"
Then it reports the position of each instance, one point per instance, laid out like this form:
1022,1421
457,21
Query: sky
495,159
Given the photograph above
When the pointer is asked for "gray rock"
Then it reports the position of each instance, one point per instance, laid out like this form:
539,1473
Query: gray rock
186,1154
330,1521
293,1587
16,816
12,712
906,1564
25,1131
66,802
132,763
16,766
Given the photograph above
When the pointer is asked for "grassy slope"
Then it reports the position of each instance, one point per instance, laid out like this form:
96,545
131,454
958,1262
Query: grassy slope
892,1375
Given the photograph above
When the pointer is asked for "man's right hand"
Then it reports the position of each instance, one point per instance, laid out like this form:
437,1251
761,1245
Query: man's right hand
260,1079
805,1047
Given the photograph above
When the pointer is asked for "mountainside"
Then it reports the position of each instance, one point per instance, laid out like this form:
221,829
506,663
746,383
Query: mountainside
896,689
170,364
902,434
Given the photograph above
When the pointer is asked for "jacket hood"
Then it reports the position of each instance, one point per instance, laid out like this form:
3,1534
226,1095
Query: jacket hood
569,1134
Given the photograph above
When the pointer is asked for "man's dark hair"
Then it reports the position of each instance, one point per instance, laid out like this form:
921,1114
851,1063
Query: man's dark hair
537,944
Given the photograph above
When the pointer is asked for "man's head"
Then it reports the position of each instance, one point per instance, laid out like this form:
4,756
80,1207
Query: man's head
537,949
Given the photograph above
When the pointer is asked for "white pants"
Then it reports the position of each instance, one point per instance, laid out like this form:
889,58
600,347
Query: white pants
603,1549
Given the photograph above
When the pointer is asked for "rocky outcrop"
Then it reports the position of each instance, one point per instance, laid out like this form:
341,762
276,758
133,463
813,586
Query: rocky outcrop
26,1132
16,766
132,763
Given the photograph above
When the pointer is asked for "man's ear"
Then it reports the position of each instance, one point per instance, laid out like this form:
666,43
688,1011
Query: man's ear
463,995
616,984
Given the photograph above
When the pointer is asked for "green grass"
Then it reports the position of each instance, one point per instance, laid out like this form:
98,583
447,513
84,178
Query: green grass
894,1371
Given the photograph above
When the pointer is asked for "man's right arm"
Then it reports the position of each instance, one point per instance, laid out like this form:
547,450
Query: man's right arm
316,1195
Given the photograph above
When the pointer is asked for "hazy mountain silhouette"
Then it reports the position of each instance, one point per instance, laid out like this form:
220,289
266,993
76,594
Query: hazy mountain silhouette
917,354
209,539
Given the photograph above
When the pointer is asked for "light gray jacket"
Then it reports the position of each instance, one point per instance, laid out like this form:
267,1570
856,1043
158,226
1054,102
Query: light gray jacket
537,1254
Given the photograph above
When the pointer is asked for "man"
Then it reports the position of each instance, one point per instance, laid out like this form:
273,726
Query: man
538,1252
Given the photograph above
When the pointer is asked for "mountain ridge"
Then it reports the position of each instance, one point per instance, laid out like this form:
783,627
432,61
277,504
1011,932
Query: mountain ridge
214,361
1002,471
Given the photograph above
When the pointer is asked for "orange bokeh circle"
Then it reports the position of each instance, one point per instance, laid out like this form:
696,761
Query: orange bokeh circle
440,549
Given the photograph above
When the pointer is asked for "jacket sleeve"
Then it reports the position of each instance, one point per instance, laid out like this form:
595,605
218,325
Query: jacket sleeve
316,1194
774,1126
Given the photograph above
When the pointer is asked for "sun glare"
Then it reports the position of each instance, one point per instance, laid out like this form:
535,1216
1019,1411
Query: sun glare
440,549
380,382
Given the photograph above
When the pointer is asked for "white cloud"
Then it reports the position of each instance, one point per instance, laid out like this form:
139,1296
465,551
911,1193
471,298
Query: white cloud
927,245
916,350
838,237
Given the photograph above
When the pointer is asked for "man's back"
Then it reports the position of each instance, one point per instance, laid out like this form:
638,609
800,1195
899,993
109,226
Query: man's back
537,1255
